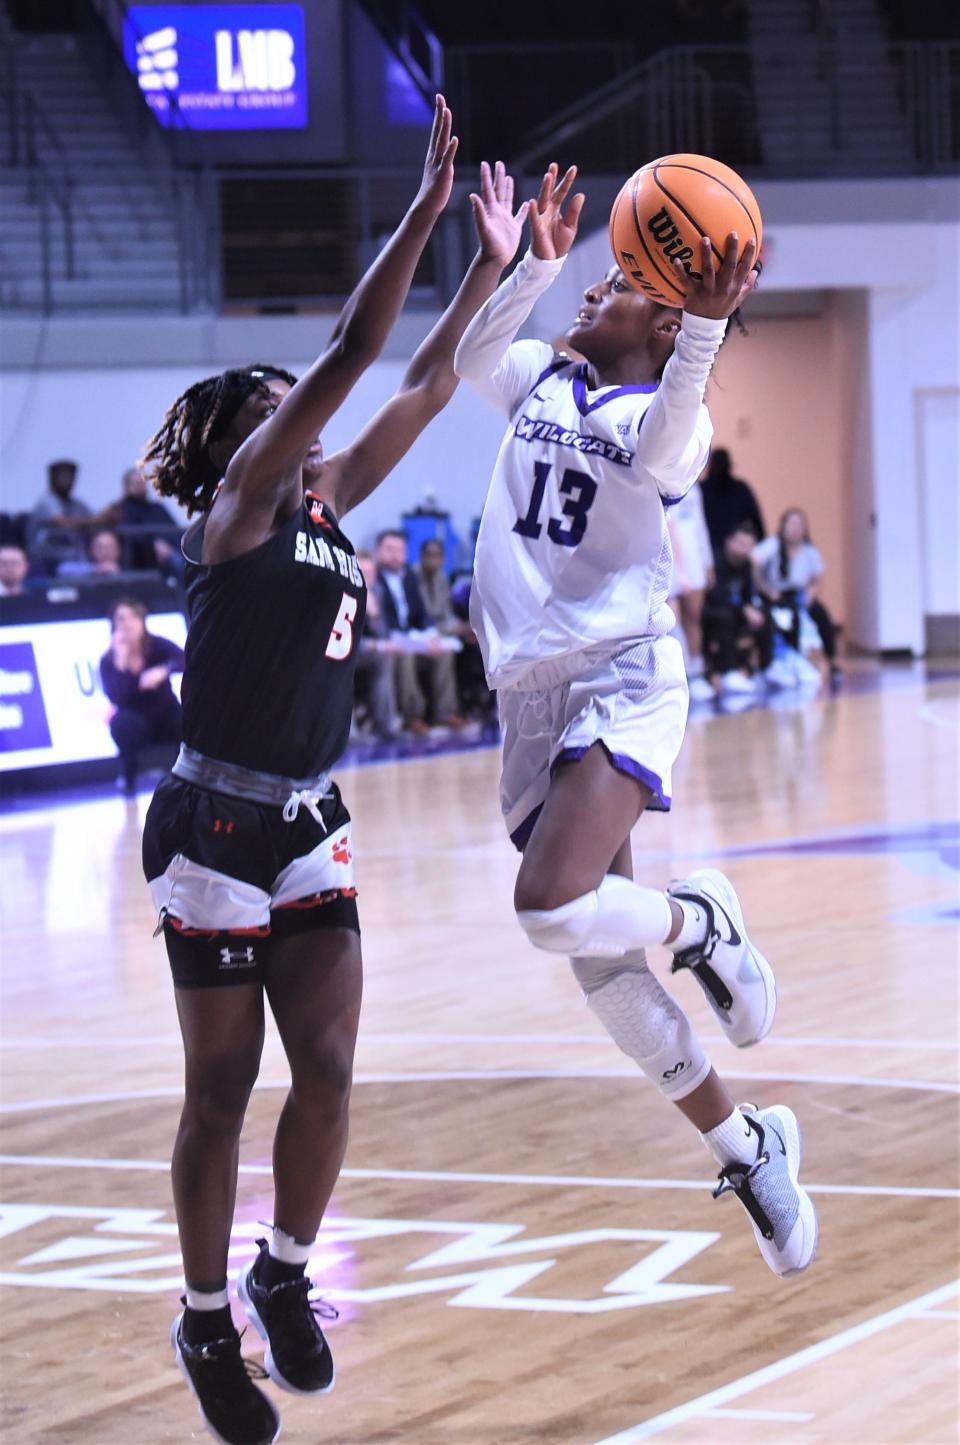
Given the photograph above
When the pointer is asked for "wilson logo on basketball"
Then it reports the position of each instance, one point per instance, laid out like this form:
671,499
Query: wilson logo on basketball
663,229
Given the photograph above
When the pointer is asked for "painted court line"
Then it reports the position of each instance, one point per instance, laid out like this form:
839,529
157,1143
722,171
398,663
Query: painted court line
789,1365
447,1076
88,1041
451,1176
783,1415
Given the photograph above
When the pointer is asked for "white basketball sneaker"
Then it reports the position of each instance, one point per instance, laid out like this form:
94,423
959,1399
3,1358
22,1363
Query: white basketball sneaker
737,980
783,1216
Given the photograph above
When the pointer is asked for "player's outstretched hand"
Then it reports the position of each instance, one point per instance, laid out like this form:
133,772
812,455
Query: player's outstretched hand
719,291
499,227
434,192
552,232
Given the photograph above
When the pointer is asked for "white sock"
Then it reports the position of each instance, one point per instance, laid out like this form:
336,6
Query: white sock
198,1299
287,1249
733,1141
693,929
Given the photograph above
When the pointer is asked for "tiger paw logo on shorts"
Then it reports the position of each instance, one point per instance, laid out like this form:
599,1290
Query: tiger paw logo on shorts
341,850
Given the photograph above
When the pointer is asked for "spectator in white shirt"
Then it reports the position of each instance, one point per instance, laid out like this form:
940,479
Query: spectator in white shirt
789,568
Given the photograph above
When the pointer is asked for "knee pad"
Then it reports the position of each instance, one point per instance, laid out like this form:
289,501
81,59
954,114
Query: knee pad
566,929
619,917
644,1022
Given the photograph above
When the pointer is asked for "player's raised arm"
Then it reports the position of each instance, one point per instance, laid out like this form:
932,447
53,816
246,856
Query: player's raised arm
276,450
485,358
674,440
430,380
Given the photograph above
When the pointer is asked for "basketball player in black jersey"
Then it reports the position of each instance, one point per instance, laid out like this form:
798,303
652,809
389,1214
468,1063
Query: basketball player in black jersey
247,845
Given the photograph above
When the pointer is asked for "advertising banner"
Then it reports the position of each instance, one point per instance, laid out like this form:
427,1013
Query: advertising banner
220,67
52,707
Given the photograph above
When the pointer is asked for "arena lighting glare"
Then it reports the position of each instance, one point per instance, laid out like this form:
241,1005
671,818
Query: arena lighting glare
220,67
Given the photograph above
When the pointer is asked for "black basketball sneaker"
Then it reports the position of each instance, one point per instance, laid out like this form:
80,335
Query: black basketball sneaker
297,1356
233,1409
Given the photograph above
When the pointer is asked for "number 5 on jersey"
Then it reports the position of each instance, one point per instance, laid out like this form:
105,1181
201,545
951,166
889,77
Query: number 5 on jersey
341,634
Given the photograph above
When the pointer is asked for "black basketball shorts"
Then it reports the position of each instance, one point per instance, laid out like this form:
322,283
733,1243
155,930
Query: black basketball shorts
227,875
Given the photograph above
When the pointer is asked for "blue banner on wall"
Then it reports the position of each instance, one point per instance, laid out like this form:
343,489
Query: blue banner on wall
220,67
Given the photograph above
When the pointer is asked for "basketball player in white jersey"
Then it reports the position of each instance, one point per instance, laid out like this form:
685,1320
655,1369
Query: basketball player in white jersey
569,604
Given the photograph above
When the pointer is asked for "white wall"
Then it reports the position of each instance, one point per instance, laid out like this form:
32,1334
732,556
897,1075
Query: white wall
95,389
938,438
102,418
851,337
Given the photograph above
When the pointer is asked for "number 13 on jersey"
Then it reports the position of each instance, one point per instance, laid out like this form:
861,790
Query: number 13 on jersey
580,491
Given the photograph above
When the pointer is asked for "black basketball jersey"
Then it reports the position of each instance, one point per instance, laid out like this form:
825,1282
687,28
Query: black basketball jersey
271,647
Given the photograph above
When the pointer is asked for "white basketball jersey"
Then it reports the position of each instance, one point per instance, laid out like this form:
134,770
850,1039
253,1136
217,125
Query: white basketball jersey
573,549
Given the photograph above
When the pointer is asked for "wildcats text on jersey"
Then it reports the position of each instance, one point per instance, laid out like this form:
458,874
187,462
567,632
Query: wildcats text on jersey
530,429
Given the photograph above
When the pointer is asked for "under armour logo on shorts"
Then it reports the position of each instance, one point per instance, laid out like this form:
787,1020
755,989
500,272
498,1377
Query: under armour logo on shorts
237,957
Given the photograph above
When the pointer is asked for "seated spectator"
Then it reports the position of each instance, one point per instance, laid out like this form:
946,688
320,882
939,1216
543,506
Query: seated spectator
737,629
377,660
727,500
149,533
693,573
48,542
438,600
14,566
135,674
139,516
789,568
404,611
102,559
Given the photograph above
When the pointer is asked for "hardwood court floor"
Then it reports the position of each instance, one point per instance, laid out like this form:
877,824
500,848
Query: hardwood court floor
523,1246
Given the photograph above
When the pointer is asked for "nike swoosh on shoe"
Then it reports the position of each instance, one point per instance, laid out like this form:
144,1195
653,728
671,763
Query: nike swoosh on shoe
777,1136
734,938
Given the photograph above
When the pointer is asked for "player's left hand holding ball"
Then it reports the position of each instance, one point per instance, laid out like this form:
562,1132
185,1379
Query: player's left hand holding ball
552,232
434,192
718,292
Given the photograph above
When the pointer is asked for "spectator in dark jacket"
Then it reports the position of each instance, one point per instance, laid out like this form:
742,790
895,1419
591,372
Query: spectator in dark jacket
727,501
427,668
135,674
149,532
737,628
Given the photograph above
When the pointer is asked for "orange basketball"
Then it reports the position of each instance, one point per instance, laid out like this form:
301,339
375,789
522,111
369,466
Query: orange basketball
664,209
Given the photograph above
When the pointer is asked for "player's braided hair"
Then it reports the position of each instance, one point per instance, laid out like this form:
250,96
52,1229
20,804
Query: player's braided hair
177,458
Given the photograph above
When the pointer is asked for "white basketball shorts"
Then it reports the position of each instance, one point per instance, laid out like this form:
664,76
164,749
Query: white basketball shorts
632,699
